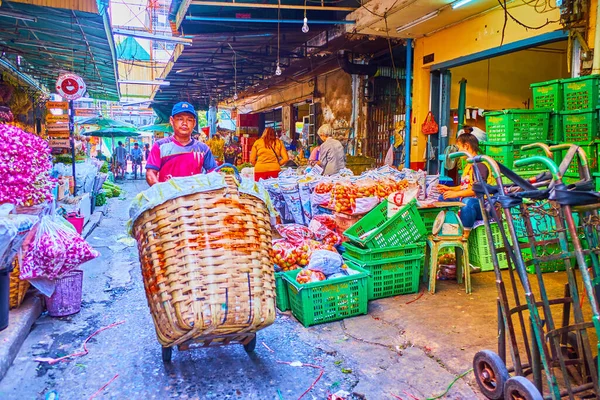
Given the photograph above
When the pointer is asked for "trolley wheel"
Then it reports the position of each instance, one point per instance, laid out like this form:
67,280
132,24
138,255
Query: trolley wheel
520,388
490,373
167,353
251,345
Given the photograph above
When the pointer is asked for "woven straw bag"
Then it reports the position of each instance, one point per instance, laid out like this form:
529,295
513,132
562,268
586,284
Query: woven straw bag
206,265
18,288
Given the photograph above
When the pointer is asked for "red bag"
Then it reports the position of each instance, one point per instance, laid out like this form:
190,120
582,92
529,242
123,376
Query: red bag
429,127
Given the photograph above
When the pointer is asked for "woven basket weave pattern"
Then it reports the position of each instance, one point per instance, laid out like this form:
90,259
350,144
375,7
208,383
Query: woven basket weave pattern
206,265
18,288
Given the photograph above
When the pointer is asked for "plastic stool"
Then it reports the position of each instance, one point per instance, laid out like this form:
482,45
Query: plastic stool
434,245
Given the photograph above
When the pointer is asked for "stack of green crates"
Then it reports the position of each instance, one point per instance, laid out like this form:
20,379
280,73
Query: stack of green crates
579,114
509,130
391,250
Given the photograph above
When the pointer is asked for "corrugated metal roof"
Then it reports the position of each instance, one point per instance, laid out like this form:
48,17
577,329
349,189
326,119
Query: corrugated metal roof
49,41
90,6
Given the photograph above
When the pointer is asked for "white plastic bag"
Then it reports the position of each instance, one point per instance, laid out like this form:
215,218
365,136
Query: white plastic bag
325,261
397,200
389,157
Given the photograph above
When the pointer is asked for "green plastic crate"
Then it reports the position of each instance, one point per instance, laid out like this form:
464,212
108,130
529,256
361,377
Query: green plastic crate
591,151
281,292
596,178
384,254
581,93
548,95
376,230
479,249
513,126
555,128
508,154
329,300
545,266
580,126
391,277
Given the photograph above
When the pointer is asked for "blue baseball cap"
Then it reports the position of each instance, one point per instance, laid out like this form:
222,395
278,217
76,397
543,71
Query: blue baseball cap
182,107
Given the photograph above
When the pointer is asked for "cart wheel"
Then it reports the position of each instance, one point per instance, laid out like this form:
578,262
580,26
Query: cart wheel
167,352
490,373
520,388
251,345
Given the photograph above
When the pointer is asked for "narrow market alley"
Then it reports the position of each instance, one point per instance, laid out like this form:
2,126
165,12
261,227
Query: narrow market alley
377,356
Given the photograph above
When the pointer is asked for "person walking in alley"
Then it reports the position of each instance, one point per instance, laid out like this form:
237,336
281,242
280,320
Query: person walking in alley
120,157
332,157
136,159
179,155
268,155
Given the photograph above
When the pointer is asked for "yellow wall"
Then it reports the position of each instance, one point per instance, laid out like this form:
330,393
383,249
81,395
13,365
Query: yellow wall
469,37
503,82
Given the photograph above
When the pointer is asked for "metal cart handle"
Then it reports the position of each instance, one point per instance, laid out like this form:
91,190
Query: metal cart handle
556,175
493,166
547,149
583,160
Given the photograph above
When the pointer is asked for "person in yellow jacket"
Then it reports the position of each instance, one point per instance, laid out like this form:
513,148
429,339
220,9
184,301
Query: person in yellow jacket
471,211
268,155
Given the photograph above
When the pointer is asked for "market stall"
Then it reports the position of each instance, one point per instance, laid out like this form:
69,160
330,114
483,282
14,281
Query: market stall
345,239
39,246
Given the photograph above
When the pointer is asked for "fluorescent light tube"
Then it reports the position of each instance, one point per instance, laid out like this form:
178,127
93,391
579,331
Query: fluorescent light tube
418,21
460,3
154,83
10,14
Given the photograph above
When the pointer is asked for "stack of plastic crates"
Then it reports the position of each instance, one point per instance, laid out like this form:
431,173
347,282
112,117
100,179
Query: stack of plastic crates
509,130
391,250
580,120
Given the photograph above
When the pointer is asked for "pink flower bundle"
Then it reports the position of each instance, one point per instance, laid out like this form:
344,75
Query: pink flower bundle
24,167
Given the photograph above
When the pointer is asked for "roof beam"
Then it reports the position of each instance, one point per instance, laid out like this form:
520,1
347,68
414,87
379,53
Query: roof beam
271,6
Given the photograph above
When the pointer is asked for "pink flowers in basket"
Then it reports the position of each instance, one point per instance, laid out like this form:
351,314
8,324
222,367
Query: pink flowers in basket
24,167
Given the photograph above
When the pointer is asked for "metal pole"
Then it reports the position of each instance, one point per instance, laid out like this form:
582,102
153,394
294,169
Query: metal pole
462,100
408,101
72,137
269,21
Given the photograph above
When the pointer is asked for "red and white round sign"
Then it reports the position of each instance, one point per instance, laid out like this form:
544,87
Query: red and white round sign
70,86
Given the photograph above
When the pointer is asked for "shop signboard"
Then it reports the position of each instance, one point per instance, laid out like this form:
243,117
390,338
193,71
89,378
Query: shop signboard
59,135
70,86
57,127
58,105
50,118
86,112
59,143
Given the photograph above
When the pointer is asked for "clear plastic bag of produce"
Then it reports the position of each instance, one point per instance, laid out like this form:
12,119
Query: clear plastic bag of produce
294,233
305,198
321,195
288,256
291,195
323,228
309,276
54,251
326,262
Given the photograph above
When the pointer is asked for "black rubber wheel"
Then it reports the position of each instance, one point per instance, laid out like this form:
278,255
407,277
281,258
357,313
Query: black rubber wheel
251,345
490,373
520,388
167,353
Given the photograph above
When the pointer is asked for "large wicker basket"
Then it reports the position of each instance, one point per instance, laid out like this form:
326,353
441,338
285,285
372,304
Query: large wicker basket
206,265
18,288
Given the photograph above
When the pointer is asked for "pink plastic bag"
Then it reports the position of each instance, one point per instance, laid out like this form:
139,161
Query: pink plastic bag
54,251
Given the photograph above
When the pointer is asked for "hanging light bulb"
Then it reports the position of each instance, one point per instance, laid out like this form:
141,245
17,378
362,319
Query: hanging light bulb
305,26
278,69
235,96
